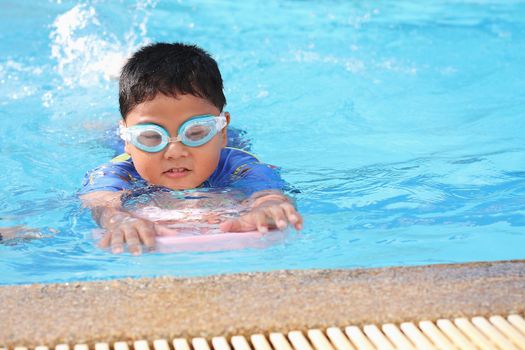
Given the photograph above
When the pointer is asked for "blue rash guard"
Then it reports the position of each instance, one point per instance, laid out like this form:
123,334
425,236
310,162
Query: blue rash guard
237,169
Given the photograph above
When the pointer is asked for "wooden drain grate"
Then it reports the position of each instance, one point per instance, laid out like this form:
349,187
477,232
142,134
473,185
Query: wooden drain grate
477,333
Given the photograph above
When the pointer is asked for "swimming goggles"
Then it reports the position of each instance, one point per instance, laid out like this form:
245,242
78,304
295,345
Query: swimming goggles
193,132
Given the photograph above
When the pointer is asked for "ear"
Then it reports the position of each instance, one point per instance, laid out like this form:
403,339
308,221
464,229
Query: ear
224,131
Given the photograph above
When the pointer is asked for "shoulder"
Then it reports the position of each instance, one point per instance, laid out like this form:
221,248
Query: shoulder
240,169
237,153
117,174
122,164
234,160
248,174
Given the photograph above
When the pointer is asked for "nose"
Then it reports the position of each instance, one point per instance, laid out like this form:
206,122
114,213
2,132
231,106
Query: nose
175,150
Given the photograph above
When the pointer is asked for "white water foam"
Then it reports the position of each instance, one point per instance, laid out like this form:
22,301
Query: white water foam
86,53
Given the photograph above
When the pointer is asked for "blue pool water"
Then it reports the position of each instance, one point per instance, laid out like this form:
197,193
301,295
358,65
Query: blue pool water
401,123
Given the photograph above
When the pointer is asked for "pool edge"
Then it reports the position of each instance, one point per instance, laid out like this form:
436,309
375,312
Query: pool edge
247,303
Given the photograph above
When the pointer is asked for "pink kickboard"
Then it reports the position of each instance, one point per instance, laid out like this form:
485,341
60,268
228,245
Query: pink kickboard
219,241
216,241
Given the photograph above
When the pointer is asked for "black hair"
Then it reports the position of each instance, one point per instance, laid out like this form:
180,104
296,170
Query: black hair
170,69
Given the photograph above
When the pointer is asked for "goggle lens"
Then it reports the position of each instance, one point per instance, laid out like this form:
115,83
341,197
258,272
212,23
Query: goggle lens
149,138
197,132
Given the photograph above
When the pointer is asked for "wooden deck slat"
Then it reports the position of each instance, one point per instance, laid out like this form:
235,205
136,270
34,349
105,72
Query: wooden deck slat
377,337
506,328
458,338
260,342
492,333
240,343
417,336
474,334
161,344
437,337
220,343
138,345
397,338
100,346
200,344
338,339
518,322
279,341
120,345
181,344
299,341
359,339
319,340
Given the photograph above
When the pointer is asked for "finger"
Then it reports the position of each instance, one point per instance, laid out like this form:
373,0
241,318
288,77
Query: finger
229,226
242,224
117,242
293,216
233,225
146,233
161,230
299,224
105,240
261,221
278,216
290,212
132,239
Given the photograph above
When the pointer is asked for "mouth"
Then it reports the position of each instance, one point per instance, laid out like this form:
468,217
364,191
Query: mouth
176,172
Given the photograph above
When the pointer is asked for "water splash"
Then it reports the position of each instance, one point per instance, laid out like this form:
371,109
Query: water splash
86,52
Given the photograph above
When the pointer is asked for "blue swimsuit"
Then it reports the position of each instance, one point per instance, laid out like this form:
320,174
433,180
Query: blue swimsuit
237,169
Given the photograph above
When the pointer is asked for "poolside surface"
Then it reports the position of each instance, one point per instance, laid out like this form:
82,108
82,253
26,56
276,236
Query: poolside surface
255,302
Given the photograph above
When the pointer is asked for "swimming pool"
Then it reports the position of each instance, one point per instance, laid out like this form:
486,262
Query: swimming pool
401,124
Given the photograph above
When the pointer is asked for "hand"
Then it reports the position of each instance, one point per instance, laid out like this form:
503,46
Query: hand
271,213
124,228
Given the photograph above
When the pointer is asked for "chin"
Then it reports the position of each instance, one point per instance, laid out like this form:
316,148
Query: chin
180,187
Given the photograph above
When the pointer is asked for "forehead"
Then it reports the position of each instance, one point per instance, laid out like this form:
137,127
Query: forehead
170,111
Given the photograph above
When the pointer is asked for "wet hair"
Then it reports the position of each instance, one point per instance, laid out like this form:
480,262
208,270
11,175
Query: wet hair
170,69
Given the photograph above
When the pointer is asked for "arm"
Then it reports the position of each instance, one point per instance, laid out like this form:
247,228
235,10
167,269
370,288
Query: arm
268,209
101,192
120,226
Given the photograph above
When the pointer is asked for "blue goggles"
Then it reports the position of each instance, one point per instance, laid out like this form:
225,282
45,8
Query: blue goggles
193,132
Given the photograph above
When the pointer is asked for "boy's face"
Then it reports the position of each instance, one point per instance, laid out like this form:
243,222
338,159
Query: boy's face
177,166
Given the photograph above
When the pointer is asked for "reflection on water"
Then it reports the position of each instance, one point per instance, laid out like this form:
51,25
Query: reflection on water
199,210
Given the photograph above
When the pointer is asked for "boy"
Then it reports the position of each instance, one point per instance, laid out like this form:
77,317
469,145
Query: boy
174,127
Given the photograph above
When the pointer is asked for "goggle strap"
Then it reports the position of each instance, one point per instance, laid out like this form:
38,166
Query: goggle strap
221,122
123,133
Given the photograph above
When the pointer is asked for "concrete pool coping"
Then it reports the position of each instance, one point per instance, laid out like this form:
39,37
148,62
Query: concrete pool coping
247,303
